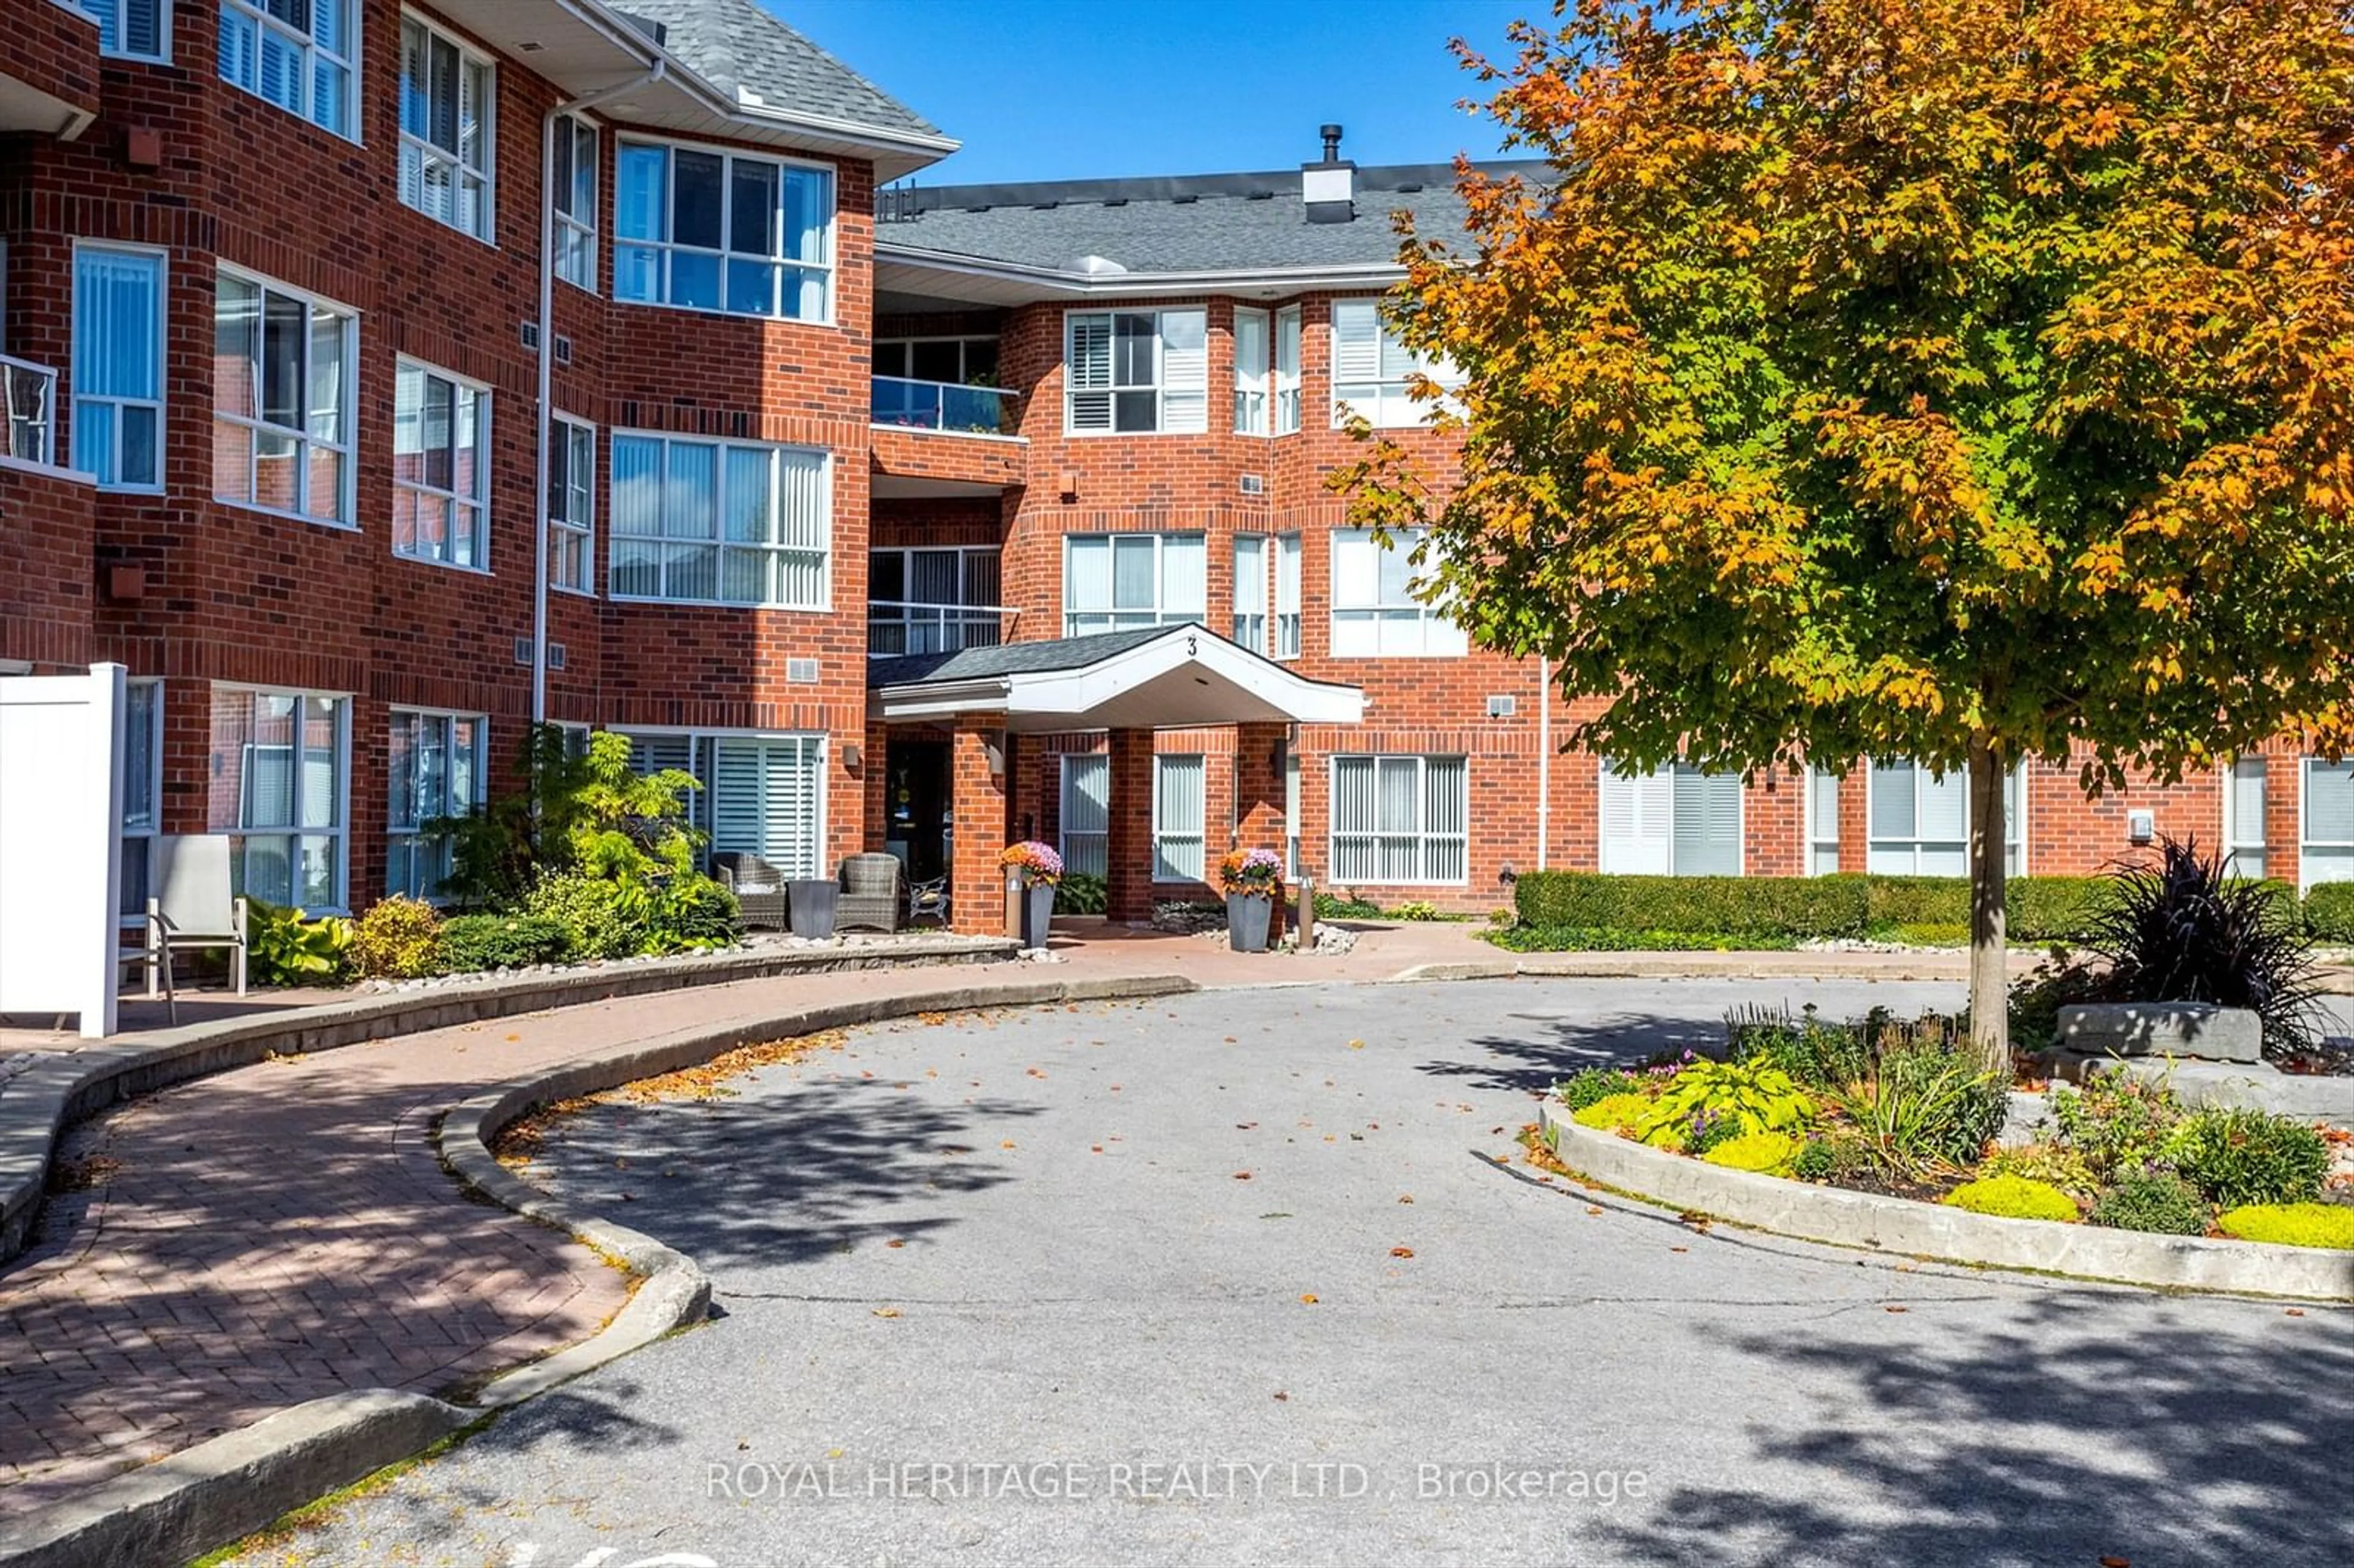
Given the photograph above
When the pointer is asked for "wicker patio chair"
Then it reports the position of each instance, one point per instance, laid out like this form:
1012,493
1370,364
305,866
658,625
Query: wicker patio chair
870,893
759,888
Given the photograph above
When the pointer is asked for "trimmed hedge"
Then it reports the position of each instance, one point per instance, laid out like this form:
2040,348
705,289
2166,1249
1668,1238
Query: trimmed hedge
2329,913
2041,908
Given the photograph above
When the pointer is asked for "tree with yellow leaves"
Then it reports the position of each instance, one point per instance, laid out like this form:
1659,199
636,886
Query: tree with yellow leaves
1964,380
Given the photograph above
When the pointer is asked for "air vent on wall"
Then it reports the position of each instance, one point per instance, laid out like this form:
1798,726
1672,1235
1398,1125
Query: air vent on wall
530,334
1503,707
562,349
555,655
1254,484
801,671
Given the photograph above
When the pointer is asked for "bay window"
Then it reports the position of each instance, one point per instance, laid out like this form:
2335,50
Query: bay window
1250,591
1287,370
723,232
719,522
1112,582
282,405
1250,372
1136,372
1286,596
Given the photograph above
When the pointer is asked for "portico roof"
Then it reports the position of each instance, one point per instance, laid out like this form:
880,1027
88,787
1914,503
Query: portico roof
1156,677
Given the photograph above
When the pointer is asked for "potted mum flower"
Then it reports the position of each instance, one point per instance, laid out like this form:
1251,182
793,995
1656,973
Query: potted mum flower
1253,881
1032,870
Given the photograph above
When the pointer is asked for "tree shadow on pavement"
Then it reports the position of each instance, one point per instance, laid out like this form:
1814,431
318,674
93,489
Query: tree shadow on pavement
1551,1048
1973,1443
774,1178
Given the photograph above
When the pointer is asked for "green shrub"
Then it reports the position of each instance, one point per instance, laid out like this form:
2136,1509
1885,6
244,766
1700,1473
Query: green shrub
1925,1106
2054,1163
1082,893
1333,907
690,910
2013,1198
1815,1160
2238,1158
398,938
1584,1086
1816,1053
1606,939
2329,913
1920,900
597,918
1787,906
1613,1111
1412,909
2291,1225
286,947
2117,1121
1767,1151
472,944
2158,1202
1747,1096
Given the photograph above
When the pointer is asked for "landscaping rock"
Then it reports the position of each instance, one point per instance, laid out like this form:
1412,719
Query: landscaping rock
2194,1029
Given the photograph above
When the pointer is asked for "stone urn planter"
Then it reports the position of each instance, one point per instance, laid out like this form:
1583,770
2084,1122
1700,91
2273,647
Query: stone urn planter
1248,917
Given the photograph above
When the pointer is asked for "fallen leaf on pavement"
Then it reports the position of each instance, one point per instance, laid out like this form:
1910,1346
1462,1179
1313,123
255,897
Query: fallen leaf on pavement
894,1241
1282,1398
887,1311
1307,1301
1242,1175
1401,1252
1591,1210
1897,1308
1356,1044
1406,1197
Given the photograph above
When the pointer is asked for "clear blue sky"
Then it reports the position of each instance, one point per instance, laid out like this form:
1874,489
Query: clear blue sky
1048,90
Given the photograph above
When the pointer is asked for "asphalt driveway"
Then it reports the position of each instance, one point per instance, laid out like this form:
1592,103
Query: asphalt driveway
1244,1277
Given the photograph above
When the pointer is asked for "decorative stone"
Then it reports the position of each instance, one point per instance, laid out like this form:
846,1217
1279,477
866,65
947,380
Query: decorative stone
2199,1029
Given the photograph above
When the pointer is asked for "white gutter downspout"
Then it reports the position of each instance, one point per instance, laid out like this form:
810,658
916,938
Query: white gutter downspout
1544,760
547,362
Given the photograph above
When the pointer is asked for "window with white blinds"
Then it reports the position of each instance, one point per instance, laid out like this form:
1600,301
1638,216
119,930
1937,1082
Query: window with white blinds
762,794
1374,611
719,522
1136,372
142,763
276,774
1113,582
1286,596
1179,817
1919,821
2243,818
1399,820
447,102
1822,822
118,366
1250,591
1086,813
1250,372
298,54
1670,822
1287,370
2326,853
130,29
1371,369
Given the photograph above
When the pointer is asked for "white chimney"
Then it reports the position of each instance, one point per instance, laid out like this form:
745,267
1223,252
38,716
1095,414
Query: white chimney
1329,189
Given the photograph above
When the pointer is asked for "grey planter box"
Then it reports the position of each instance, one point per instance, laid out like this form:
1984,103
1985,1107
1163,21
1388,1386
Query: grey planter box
1247,919
1037,913
813,901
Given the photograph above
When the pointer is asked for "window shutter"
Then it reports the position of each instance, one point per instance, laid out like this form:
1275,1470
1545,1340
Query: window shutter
1707,823
2248,801
1356,342
1637,822
1086,372
1185,372
650,754
1087,813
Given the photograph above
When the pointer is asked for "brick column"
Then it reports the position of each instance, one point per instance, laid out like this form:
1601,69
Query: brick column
875,785
977,797
1259,799
1127,849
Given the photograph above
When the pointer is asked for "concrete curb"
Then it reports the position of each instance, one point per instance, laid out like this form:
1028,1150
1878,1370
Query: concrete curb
191,1502
1902,1227
67,1086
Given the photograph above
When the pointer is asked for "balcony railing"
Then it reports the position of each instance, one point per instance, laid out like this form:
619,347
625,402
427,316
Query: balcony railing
944,405
895,625
30,394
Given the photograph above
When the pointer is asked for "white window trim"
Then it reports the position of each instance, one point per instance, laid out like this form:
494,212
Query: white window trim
2231,832
342,832
702,804
430,152
161,401
1264,388
1202,772
1422,834
1817,841
481,722
1162,615
1260,545
258,18
587,228
825,604
152,764
2306,842
1384,386
1379,610
1286,403
346,504
2014,829
585,530
1740,821
482,463
162,55
1159,388
961,339
1296,546
831,267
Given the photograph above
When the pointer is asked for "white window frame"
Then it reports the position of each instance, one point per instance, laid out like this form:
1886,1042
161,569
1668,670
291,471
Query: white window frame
162,260
1287,370
1084,847
258,21
2014,822
1823,789
421,153
664,248
111,15
1286,622
456,503
1434,636
412,833
1181,851
2307,844
256,426
565,481
138,837
576,232
1424,836
1395,367
1255,375
2238,844
1676,779
1179,391
340,829
1254,624
1160,613
770,549
701,747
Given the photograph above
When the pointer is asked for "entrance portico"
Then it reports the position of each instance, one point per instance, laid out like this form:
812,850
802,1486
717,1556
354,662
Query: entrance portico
1128,684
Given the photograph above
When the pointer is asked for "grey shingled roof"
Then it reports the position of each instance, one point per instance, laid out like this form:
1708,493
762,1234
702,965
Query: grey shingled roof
1181,225
736,45
1010,658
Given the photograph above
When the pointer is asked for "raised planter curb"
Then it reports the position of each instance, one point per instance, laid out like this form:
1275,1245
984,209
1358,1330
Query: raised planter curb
65,1087
190,1502
2254,1085
1906,1228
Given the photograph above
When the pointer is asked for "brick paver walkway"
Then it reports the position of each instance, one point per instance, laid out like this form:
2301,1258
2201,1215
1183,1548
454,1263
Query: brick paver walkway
271,1235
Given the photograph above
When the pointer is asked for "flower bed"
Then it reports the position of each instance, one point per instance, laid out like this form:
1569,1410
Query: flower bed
1900,1108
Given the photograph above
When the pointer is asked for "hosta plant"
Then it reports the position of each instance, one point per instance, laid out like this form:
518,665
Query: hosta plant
1753,1097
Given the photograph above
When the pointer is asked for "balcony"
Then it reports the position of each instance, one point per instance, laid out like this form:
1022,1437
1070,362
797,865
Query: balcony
29,393
944,405
895,627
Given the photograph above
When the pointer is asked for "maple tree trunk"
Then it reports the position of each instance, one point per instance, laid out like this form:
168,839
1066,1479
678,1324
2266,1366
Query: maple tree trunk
1990,987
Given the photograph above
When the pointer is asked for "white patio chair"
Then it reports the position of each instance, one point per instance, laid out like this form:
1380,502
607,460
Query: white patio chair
193,908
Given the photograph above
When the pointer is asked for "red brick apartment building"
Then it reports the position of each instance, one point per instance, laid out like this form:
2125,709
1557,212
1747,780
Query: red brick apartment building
381,378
